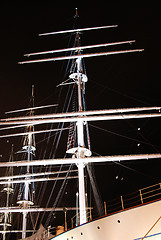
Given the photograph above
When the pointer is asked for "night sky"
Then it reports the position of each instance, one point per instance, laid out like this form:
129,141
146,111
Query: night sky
121,81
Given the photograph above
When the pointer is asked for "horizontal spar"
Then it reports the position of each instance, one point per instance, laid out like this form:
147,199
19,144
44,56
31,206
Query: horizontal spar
82,118
87,160
32,108
82,56
70,114
15,231
21,210
33,132
31,175
36,180
79,48
77,30
83,113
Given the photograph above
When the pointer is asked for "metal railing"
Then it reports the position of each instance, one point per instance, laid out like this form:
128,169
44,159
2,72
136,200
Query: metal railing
124,202
142,196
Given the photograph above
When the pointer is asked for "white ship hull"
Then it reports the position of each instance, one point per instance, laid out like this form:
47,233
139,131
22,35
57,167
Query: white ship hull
142,222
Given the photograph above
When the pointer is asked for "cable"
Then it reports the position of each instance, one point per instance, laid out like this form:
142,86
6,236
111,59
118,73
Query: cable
52,154
98,200
120,93
123,136
129,168
58,196
62,125
151,228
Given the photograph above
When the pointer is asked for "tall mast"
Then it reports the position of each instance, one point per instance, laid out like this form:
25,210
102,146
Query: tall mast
29,149
79,151
9,190
80,144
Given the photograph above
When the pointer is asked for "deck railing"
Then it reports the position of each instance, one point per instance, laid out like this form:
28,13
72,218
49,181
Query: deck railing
139,197
142,196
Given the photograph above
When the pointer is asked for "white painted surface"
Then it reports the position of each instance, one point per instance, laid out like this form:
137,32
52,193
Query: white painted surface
132,224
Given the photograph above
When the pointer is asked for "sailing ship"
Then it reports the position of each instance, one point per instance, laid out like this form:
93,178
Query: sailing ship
140,221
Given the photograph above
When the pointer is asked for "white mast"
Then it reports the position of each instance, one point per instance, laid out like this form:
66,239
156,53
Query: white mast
9,190
79,151
80,142
30,149
26,201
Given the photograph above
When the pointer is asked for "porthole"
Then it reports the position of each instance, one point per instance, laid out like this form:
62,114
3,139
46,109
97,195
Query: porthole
98,227
81,233
118,221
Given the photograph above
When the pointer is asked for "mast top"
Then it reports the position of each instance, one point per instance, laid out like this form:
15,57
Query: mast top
76,13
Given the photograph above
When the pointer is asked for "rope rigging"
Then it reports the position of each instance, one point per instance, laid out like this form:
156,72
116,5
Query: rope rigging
56,141
72,130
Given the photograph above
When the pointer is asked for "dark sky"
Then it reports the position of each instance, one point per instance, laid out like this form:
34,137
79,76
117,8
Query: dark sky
130,80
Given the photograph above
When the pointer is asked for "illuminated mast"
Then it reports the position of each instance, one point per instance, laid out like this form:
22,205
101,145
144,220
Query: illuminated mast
8,190
29,148
80,151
